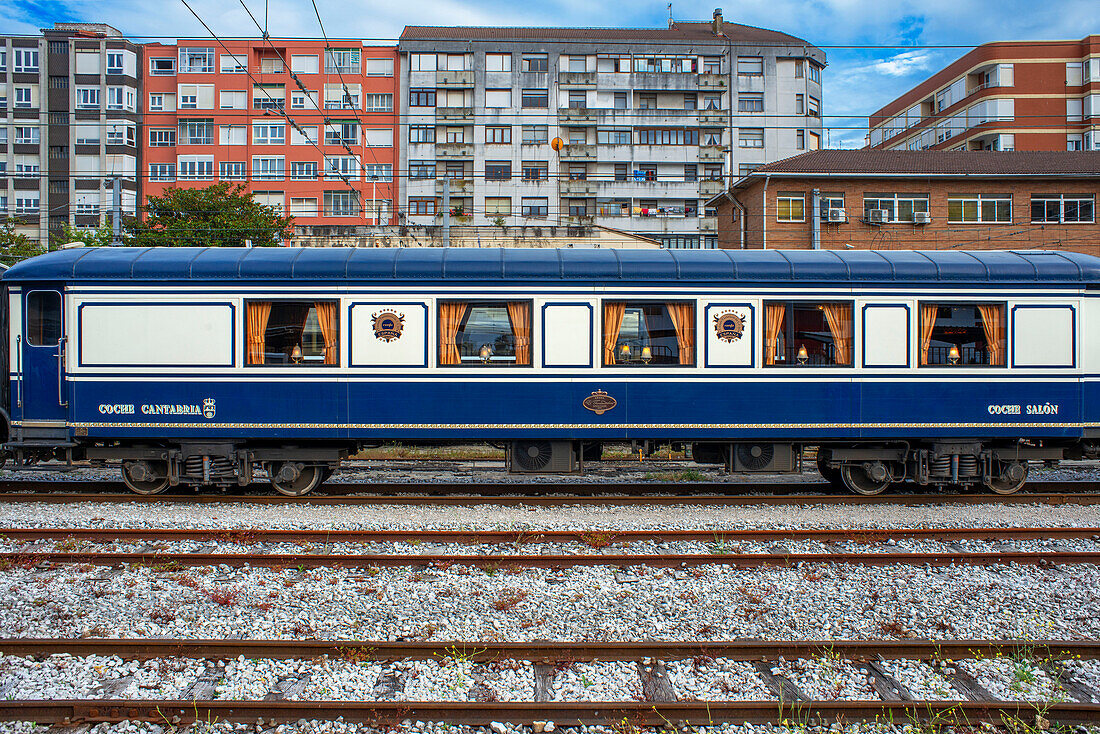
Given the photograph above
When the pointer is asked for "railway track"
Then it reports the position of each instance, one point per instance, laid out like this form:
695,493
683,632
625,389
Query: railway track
590,538
657,706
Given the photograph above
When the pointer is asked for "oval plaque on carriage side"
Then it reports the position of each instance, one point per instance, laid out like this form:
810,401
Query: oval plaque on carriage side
599,402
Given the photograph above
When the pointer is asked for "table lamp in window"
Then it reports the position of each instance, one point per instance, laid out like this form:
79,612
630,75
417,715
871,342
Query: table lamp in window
486,353
296,354
953,354
624,352
647,354
803,355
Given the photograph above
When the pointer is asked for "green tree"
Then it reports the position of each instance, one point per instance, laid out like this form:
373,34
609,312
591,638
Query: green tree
99,237
16,246
217,216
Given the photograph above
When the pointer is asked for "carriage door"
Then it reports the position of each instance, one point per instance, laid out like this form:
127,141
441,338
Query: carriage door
43,391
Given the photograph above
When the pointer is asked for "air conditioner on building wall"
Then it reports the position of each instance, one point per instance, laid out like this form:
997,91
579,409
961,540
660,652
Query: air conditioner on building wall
837,215
878,216
922,218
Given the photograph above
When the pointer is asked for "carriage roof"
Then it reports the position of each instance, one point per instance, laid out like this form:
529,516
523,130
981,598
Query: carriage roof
298,264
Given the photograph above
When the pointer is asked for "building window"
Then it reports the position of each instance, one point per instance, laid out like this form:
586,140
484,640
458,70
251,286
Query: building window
485,333
790,207
798,69
26,136
378,102
303,170
86,98
534,206
114,62
303,135
161,138
24,100
341,203
26,60
979,208
268,133
800,104
233,100
421,170
815,72
498,205
162,172
232,170
535,62
304,64
156,102
498,135
162,67
800,139
195,168
303,206
196,132
535,98
293,333
750,102
422,98
268,168
196,60
1062,209
534,134
382,172
419,206
498,170
59,82
421,134
342,133
341,167
268,96
422,62
378,67
962,334
535,171
748,137
498,62
648,333
804,333
661,136
898,207
691,172
750,66
613,137
813,106
232,135
27,204
342,61
498,98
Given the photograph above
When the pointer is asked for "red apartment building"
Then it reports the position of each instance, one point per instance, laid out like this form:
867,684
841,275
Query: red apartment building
308,128
1017,95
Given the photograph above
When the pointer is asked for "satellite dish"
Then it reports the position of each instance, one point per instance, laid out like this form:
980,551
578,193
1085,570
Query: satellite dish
557,144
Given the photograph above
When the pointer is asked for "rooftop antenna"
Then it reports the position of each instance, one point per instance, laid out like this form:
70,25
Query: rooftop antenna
670,23
265,18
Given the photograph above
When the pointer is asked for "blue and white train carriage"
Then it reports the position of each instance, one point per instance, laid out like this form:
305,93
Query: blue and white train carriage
202,366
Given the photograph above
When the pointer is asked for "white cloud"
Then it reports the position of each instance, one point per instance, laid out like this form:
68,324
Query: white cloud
904,64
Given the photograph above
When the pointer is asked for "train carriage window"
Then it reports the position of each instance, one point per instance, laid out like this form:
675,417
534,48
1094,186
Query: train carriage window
807,334
43,318
648,333
485,333
293,333
960,334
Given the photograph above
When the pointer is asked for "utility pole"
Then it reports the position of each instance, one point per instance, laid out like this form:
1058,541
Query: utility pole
446,212
116,212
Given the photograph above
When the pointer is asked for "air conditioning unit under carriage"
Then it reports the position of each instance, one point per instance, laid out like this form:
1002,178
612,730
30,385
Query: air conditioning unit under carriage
538,456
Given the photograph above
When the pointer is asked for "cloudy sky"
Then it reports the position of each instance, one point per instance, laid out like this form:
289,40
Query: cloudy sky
857,80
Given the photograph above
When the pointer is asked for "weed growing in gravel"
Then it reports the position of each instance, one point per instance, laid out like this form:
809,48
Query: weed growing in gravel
225,597
355,655
895,628
597,539
509,599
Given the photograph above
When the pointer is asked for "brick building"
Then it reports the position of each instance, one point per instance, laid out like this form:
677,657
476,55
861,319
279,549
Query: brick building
307,127
872,199
1013,95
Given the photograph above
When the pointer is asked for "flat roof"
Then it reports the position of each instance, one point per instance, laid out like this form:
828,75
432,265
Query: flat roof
313,265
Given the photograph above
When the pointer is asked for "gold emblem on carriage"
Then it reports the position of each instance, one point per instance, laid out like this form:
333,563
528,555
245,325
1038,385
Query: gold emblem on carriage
208,408
388,325
599,402
729,326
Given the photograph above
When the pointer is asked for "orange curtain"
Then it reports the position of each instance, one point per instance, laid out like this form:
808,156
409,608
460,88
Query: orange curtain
682,316
927,323
326,319
519,313
839,318
774,316
450,319
612,322
993,323
258,313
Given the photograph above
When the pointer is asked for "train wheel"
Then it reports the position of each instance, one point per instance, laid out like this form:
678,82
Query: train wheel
828,473
294,480
1012,478
141,476
862,481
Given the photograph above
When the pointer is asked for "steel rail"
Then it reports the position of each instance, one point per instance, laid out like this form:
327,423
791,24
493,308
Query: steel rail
562,713
552,652
663,500
169,561
249,535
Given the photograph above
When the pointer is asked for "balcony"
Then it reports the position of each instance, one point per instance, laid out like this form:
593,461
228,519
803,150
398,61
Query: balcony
578,152
712,153
459,187
452,79
576,116
579,187
577,79
712,81
661,81
711,186
453,114
454,150
708,225
713,118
